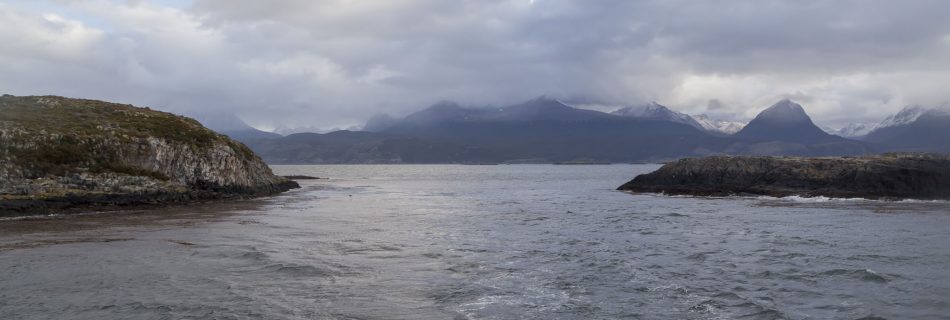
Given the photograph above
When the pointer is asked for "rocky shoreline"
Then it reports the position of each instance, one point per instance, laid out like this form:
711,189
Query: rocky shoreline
62,155
886,177
84,202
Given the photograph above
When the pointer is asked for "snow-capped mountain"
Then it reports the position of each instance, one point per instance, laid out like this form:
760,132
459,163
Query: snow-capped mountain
853,129
906,116
656,111
718,126
929,131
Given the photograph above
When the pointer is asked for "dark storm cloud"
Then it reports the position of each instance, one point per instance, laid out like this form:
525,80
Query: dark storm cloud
334,63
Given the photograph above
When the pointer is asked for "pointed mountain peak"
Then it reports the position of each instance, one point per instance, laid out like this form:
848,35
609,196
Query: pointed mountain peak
786,111
785,121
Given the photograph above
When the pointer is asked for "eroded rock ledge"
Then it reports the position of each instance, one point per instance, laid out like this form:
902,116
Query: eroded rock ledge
888,176
59,154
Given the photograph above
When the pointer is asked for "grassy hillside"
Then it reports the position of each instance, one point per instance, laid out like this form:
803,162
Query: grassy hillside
54,135
57,152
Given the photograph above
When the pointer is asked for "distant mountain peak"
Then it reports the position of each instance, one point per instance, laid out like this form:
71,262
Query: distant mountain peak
544,101
914,128
439,112
906,116
649,110
785,111
853,130
542,109
719,126
785,121
656,111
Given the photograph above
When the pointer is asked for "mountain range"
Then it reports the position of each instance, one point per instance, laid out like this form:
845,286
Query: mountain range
929,131
546,130
233,127
904,117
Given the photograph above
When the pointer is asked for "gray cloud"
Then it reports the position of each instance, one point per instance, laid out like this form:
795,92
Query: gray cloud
334,63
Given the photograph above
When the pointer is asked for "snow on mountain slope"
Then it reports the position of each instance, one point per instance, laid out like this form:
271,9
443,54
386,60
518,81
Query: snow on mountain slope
718,126
904,117
656,111
854,129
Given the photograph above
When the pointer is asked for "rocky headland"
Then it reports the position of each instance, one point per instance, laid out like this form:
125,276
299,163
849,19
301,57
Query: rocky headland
60,154
889,177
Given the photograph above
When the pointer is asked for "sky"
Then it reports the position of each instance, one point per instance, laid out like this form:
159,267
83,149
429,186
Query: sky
323,64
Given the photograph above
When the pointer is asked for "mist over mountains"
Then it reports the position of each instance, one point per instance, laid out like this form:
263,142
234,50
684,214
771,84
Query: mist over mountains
546,130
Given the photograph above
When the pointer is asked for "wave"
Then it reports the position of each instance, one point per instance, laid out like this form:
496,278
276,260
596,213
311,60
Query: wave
795,198
824,199
54,215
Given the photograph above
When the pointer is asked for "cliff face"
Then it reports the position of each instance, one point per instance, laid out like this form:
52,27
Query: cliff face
889,176
57,153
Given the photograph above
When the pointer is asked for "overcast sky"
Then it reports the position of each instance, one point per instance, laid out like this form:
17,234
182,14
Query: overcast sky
334,63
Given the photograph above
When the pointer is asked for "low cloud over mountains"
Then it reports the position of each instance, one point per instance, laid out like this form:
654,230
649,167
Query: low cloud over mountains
332,64
545,130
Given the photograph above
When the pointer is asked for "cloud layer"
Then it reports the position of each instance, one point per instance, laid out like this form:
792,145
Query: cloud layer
334,63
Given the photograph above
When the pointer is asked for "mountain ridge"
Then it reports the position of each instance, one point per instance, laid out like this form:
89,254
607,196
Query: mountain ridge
656,111
929,131
547,131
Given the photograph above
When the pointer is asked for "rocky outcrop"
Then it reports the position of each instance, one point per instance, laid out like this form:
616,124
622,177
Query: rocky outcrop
888,176
58,153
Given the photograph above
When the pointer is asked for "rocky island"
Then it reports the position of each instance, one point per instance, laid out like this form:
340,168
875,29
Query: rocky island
59,154
888,176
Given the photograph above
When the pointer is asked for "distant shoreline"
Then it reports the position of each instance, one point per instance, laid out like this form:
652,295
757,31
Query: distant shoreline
895,176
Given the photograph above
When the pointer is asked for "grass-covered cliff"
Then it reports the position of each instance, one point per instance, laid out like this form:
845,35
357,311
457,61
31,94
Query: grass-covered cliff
57,153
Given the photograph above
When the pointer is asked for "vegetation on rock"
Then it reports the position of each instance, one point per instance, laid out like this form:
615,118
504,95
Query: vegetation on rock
98,153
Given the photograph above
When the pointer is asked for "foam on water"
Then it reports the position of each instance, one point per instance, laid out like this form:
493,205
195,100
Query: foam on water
823,199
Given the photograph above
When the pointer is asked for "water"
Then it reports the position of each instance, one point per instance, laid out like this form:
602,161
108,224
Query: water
483,242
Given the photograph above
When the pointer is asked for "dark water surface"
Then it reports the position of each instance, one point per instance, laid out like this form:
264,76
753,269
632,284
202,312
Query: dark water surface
483,242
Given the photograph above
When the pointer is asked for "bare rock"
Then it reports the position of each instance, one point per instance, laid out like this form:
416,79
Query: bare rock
888,176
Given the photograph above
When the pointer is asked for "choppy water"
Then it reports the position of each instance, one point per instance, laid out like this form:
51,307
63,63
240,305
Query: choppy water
483,242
